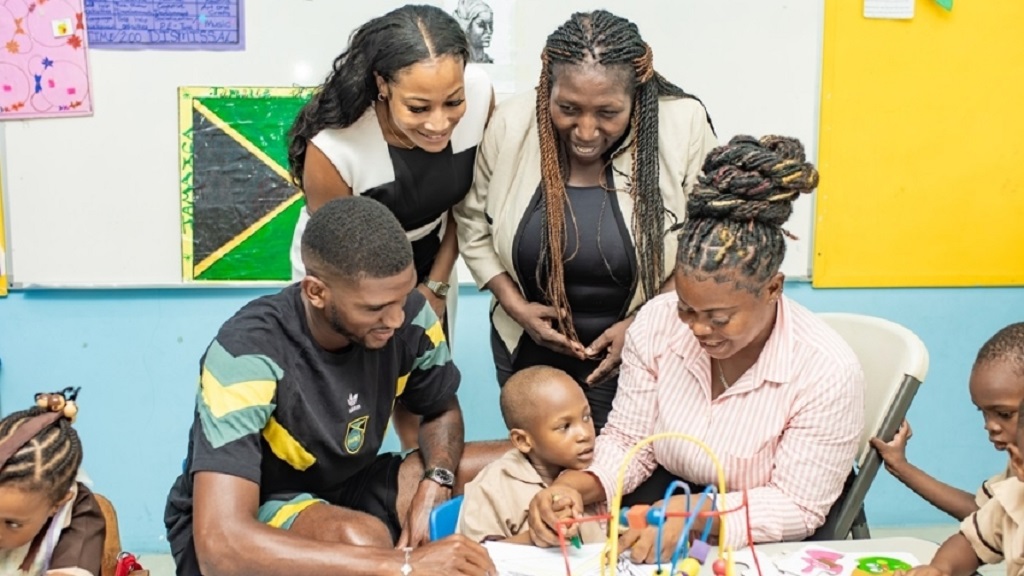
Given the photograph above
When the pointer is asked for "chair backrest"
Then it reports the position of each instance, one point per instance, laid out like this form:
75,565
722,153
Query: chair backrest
112,540
444,518
888,354
895,363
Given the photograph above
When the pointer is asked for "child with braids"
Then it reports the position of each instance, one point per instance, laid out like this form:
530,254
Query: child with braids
727,358
576,184
996,387
51,524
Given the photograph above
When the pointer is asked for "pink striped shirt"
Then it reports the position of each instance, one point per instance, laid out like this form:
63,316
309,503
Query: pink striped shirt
786,431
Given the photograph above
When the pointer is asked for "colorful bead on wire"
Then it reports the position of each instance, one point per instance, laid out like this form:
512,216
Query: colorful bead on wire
687,558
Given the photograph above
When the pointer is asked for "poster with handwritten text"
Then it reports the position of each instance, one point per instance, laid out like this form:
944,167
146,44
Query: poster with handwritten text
44,68
165,24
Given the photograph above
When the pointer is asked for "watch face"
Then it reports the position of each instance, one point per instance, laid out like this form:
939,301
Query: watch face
442,476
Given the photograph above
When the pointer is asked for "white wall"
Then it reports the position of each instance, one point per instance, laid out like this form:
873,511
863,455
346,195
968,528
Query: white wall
94,200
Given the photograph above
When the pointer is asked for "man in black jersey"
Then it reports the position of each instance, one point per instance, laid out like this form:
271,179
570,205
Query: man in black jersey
283,475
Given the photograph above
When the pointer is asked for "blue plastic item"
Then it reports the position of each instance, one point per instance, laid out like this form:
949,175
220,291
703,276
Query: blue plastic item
444,518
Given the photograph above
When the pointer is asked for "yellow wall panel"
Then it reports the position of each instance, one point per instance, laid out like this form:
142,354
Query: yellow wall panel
922,147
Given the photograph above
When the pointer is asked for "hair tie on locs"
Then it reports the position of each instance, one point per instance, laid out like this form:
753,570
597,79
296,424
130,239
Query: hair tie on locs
644,65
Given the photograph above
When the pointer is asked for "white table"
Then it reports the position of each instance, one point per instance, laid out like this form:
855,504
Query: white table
526,560
922,549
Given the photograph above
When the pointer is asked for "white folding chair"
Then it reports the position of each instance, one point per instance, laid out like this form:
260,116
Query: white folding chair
895,363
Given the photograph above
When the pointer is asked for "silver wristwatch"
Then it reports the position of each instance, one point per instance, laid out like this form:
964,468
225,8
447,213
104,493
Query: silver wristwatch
442,476
440,289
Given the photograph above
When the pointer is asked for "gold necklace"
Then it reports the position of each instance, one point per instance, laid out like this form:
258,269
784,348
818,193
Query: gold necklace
721,374
387,122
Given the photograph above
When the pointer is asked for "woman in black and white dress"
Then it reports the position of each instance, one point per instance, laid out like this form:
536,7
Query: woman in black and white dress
398,119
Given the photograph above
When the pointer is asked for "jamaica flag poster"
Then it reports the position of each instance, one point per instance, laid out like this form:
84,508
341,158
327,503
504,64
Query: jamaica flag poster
238,204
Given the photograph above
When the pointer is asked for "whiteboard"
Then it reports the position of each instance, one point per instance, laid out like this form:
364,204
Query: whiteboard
94,201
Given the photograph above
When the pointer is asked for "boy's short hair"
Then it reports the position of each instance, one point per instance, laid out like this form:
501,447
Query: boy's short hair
520,393
1007,345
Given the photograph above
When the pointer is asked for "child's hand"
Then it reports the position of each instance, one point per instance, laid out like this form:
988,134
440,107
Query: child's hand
926,570
567,511
894,453
547,508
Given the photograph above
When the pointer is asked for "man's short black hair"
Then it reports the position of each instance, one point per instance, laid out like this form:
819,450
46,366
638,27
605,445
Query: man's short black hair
354,237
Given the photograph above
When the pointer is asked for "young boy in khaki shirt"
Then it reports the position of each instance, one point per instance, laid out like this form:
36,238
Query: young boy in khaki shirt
549,423
992,534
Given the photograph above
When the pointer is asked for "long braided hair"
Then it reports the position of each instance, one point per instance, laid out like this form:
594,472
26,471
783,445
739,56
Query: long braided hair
385,45
600,37
47,460
734,215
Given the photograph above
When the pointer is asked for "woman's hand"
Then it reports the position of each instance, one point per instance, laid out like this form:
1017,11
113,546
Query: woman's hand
641,542
610,341
894,452
538,321
548,507
435,301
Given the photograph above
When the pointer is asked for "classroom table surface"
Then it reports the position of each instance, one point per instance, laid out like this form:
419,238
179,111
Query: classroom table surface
528,561
921,549
924,549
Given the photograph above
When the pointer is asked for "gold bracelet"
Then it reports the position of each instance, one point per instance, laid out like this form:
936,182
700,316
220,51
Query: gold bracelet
406,568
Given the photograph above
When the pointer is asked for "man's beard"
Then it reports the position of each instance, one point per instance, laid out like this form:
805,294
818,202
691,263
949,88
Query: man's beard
334,321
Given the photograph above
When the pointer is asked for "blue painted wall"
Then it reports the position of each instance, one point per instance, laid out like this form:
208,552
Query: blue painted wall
135,354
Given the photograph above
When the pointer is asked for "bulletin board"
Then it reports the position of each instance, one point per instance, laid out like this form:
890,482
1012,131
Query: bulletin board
3,239
97,201
921,148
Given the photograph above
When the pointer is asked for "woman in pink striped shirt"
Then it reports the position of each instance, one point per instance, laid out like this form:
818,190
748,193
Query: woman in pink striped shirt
728,359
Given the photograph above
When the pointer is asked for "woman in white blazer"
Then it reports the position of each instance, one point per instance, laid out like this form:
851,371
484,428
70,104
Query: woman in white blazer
575,187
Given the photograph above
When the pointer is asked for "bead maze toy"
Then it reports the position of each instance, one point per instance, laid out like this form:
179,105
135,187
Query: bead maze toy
687,558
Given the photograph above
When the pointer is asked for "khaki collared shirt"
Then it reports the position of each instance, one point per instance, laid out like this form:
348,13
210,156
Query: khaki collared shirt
996,531
984,493
497,501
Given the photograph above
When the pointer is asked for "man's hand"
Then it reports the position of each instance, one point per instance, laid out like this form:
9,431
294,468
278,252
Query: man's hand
417,525
452,556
